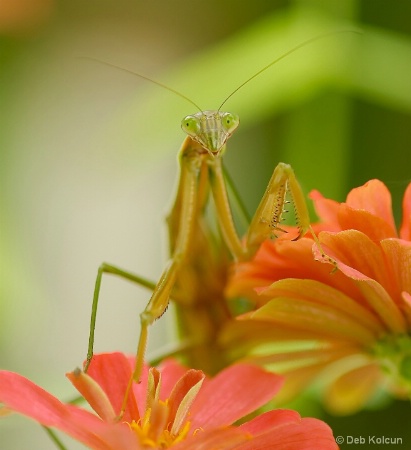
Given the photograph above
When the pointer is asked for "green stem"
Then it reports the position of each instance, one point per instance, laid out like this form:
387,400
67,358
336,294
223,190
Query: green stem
54,438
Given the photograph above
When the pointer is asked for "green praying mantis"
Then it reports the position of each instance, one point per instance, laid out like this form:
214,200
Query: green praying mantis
201,173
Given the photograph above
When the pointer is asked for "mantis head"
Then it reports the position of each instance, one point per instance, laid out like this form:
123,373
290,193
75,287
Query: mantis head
211,129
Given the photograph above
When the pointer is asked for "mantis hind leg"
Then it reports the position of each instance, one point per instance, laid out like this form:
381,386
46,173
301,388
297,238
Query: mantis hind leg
113,270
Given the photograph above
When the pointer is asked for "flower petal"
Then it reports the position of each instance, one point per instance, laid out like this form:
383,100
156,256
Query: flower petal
244,334
93,393
405,229
112,371
277,260
182,397
286,430
326,209
327,353
24,397
361,260
406,306
226,397
296,380
376,228
316,292
356,250
375,198
269,420
215,439
171,371
308,316
348,393
398,255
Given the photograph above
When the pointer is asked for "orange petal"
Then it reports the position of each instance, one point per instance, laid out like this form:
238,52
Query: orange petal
372,292
277,260
325,208
307,357
405,230
244,334
305,315
398,255
363,261
375,198
272,261
297,380
356,250
349,393
321,293
376,228
406,306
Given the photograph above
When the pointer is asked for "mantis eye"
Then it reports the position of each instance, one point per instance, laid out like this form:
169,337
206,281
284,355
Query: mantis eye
190,125
230,122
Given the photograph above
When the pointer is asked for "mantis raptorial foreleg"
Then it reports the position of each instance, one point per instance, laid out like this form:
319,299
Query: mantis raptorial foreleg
268,216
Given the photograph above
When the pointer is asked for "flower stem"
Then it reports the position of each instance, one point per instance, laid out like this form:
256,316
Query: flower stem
54,438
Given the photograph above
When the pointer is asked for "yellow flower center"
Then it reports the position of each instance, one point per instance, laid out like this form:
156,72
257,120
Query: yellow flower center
154,431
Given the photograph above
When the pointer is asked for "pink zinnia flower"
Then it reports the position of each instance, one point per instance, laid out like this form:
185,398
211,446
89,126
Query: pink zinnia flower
172,407
349,308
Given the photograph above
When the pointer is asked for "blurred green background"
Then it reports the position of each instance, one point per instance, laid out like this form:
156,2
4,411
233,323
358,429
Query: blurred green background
88,153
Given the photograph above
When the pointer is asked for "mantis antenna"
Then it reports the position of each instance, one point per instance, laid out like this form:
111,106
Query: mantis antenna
284,55
124,69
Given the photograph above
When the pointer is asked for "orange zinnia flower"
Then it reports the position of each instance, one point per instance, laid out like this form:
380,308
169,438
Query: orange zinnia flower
172,407
353,312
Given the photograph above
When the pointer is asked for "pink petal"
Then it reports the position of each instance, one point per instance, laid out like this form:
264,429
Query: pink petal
214,439
233,393
24,397
182,396
405,230
288,432
112,371
375,198
94,395
171,372
269,420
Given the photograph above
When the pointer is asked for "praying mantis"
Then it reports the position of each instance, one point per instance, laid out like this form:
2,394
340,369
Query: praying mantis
202,176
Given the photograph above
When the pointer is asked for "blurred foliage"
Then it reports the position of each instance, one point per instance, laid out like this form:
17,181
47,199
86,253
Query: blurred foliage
338,110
